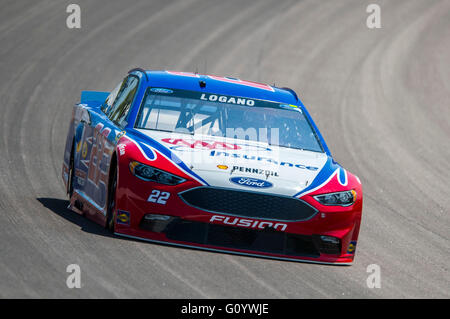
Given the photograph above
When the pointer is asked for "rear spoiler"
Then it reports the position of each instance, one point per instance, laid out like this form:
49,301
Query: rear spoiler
93,96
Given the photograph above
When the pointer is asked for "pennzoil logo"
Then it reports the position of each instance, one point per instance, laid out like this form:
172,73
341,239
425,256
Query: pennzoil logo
254,171
123,218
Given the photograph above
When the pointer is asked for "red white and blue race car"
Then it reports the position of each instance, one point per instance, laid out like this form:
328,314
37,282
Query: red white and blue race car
211,162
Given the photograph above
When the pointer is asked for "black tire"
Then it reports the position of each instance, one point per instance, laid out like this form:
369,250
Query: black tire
111,205
71,173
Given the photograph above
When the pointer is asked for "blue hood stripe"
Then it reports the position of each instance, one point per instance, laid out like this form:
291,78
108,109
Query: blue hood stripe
327,170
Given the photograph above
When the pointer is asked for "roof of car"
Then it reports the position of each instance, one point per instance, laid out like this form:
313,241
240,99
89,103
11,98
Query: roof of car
219,85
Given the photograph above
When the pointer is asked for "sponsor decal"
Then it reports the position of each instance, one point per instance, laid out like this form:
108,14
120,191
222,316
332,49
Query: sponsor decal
123,218
287,106
227,99
180,144
291,107
84,150
215,153
351,247
260,171
80,181
247,223
119,135
121,148
161,90
197,144
250,182
80,173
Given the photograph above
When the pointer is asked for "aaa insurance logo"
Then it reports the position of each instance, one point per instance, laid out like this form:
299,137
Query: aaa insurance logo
181,144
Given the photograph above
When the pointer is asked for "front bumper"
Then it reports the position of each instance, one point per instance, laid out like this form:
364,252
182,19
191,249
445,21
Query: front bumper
188,226
252,242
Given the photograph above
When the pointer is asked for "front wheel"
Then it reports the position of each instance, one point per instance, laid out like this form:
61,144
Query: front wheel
111,212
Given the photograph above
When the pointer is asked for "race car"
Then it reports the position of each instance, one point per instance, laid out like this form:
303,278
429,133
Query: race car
211,162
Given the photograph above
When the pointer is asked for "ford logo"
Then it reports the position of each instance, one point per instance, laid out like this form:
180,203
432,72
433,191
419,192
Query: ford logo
161,90
250,182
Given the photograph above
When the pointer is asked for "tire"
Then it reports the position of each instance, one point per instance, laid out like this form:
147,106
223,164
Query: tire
111,214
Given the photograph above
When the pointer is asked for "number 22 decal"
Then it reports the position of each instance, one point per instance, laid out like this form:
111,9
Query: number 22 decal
158,197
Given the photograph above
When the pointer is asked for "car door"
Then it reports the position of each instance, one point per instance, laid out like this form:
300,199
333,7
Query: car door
89,156
107,124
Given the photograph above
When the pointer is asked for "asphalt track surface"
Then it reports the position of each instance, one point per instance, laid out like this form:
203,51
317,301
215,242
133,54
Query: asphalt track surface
380,97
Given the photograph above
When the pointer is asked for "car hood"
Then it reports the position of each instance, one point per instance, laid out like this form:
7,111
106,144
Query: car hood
243,164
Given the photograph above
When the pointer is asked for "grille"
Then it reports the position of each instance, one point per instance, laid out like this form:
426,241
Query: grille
267,240
248,204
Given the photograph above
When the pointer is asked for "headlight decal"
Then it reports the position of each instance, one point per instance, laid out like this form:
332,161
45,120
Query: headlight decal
345,198
153,174
152,149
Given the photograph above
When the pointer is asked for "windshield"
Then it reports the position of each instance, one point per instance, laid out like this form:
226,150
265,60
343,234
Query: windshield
192,112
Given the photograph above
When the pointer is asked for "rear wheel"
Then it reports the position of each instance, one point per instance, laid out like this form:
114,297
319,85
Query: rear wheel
111,212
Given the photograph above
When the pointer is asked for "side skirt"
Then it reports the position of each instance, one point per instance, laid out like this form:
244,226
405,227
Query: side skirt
88,208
